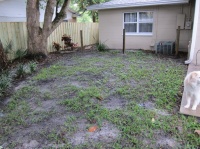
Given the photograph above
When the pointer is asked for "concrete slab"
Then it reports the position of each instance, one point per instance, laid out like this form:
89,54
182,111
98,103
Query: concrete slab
189,111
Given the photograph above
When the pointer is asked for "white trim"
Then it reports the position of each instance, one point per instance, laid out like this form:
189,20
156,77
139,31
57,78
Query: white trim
194,34
139,34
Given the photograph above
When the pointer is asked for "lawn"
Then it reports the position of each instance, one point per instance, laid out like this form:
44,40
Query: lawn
132,99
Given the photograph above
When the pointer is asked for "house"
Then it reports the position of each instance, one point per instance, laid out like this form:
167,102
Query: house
148,22
15,11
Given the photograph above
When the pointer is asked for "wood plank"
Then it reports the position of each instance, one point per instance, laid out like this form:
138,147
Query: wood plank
17,32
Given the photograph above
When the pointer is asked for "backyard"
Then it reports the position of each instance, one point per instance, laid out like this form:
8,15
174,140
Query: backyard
130,101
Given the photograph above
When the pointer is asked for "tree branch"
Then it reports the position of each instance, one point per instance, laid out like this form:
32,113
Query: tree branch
57,4
60,16
33,18
83,11
48,16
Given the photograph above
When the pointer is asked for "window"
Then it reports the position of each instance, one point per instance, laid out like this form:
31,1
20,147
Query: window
138,23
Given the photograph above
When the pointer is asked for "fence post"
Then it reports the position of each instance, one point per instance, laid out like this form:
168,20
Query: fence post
124,40
81,34
177,40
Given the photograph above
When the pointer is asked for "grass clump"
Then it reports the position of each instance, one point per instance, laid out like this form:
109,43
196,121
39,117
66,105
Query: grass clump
51,72
20,53
102,47
5,82
32,66
83,100
20,72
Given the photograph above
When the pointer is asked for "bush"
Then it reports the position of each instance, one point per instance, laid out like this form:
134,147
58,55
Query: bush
5,82
101,47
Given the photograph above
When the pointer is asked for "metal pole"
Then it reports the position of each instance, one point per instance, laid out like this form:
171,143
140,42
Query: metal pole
81,34
177,39
124,39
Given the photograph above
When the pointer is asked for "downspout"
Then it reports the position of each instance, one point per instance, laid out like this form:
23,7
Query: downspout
194,34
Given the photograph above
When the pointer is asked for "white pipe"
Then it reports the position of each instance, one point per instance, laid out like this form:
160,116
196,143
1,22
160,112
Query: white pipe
194,34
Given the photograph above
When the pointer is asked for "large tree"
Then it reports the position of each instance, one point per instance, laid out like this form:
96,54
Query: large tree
37,36
83,4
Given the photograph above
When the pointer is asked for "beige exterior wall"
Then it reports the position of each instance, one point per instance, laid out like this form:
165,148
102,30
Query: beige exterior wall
164,27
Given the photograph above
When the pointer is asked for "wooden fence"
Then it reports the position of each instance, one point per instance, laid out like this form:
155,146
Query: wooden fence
17,33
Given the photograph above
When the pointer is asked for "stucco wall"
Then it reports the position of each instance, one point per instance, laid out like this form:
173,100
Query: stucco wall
164,27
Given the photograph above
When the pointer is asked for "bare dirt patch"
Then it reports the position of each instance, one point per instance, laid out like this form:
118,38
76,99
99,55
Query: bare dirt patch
114,102
151,106
106,133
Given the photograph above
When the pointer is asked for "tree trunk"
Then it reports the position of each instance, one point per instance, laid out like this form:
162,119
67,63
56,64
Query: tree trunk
93,18
37,46
3,58
37,36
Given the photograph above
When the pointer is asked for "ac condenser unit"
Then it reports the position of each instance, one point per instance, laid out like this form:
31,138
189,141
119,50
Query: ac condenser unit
165,47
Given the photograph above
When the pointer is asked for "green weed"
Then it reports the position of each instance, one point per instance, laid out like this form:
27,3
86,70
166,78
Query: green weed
102,47
5,82
20,72
32,66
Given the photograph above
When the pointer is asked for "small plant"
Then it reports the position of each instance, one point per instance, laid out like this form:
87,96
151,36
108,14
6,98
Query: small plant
4,50
8,46
32,66
56,46
20,72
68,41
20,53
101,47
5,82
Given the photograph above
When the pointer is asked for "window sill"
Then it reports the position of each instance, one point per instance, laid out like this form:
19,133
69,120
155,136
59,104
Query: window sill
139,34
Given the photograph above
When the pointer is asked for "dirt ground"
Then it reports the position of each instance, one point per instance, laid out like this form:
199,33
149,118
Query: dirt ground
45,118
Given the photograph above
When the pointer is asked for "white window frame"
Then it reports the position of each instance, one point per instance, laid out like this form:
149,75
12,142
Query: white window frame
138,22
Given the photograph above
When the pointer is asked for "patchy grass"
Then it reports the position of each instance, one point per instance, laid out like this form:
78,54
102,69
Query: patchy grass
132,98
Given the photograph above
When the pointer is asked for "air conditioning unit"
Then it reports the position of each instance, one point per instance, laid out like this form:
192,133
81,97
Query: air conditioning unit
165,47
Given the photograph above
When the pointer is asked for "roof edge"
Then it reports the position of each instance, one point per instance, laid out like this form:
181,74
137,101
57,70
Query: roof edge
100,7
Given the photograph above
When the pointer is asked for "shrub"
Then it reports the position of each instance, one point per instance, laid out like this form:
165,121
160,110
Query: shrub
56,46
5,82
101,47
68,41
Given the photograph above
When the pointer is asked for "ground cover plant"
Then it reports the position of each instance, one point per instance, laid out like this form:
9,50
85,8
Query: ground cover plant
131,100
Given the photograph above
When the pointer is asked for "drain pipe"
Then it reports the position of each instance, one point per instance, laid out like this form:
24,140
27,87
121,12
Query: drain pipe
194,34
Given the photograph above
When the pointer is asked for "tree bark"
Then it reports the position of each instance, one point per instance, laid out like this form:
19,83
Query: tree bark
35,42
37,36
3,58
93,18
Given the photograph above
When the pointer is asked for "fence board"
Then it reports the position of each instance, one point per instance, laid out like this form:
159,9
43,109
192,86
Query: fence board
17,33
